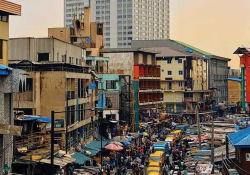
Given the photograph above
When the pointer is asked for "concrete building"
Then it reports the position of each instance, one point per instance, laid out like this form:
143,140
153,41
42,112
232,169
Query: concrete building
183,79
234,73
127,20
83,32
11,81
56,75
217,69
234,90
73,9
140,65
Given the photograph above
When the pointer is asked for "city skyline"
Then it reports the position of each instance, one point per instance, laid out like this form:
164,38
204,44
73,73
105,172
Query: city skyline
223,24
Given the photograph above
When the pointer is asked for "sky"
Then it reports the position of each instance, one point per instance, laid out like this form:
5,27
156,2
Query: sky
216,26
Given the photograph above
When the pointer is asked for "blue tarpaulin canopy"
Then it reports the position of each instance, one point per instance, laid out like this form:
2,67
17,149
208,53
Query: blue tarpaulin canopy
4,70
240,139
80,158
40,119
95,146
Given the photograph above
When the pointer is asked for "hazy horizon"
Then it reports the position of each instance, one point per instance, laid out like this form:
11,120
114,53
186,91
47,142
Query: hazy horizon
211,25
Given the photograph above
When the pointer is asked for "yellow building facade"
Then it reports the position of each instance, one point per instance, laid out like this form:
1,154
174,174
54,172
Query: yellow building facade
6,9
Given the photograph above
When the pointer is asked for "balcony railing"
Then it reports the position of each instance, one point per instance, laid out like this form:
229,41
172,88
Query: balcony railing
24,96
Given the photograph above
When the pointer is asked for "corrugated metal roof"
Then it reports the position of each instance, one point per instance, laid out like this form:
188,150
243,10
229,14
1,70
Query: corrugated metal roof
169,52
240,139
194,48
235,79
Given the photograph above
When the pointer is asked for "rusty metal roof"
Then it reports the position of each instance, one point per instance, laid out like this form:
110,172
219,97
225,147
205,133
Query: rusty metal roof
10,7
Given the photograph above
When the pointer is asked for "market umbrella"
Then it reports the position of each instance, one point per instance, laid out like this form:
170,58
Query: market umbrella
126,143
116,142
113,147
202,138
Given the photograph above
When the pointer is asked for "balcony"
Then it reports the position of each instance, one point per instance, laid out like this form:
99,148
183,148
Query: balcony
24,96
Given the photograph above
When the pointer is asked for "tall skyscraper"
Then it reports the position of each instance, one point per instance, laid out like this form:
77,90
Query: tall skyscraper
73,9
126,20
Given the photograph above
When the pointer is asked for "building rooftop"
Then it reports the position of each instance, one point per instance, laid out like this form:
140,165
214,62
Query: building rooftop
173,44
240,139
169,52
10,8
119,50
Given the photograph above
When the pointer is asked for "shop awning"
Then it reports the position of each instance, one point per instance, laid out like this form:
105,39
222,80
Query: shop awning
40,119
79,158
95,146
59,161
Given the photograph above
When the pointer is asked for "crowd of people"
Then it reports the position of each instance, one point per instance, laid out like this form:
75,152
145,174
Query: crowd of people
134,159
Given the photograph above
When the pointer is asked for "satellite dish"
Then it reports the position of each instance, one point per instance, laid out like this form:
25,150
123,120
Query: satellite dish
187,50
190,50
88,40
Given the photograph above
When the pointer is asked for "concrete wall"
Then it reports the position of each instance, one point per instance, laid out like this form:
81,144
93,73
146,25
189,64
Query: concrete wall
121,61
199,74
53,88
218,74
28,49
174,67
4,35
234,92
60,33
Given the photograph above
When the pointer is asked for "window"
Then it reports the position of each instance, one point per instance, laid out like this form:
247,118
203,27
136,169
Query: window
4,18
169,107
76,61
180,83
111,84
169,85
1,49
180,72
169,72
169,61
180,61
70,60
162,70
43,56
29,84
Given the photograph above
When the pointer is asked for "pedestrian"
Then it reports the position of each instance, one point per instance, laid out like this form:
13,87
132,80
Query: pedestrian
71,170
165,169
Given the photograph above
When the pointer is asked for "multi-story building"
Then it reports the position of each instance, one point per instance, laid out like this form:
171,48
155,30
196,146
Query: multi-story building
83,32
217,70
73,9
56,80
140,65
183,79
11,80
125,20
234,90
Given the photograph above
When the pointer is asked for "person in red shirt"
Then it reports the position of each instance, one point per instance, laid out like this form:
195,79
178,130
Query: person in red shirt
142,151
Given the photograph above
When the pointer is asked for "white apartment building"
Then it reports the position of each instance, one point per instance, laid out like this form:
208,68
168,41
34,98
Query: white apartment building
127,20
73,9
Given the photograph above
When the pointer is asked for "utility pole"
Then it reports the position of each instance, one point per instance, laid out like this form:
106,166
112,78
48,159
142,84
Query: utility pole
52,143
66,122
198,124
212,146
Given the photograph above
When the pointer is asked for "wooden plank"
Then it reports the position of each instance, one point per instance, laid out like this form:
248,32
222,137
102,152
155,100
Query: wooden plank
10,129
